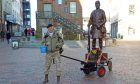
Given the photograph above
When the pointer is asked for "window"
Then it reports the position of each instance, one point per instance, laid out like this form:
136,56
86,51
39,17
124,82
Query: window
131,9
47,7
47,10
72,7
131,31
66,9
59,1
28,22
28,16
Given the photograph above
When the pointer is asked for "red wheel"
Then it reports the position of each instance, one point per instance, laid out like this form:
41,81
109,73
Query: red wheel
110,65
101,71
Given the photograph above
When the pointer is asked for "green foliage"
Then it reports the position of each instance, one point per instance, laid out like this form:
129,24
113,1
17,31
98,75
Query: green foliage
38,33
71,36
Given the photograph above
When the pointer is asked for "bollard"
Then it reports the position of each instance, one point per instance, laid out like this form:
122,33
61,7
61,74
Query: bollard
114,41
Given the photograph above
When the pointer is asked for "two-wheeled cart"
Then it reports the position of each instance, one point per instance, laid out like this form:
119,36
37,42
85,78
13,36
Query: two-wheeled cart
95,60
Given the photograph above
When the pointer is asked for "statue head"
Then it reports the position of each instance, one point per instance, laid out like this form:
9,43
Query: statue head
97,4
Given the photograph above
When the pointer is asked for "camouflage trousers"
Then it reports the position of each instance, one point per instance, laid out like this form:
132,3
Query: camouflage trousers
49,60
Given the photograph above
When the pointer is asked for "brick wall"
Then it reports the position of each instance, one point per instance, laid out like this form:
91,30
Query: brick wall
59,8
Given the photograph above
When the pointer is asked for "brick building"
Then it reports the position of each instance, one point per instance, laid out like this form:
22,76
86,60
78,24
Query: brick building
66,15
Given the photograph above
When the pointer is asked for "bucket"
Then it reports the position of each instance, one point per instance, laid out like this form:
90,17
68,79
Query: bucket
43,49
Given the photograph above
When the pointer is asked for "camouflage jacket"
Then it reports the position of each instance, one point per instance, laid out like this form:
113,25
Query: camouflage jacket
55,42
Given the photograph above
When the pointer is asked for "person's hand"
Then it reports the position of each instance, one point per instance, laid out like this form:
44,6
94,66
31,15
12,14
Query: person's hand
47,43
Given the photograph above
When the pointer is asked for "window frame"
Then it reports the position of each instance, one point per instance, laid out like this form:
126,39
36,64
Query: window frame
59,2
131,9
73,9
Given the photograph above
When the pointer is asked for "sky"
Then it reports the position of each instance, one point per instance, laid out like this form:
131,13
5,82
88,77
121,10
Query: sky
88,6
33,13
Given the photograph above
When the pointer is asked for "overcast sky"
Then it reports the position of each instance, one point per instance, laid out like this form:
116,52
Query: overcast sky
33,12
88,6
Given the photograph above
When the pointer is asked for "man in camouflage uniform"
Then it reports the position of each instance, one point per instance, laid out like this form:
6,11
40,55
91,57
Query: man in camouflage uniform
54,41
97,24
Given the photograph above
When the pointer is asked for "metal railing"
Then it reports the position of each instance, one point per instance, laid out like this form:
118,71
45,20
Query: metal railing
60,19
43,14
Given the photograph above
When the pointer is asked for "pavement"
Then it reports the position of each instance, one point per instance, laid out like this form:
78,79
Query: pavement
26,65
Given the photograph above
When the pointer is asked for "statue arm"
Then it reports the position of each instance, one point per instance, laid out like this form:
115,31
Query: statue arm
104,19
90,20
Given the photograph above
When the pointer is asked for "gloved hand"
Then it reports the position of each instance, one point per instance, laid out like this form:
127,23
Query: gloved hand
61,50
45,36
47,43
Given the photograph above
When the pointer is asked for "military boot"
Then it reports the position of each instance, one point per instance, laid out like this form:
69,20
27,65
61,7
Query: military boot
46,79
58,79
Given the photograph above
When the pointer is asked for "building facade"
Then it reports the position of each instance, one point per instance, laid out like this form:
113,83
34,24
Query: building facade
64,14
7,15
124,19
26,14
10,16
17,18
0,15
21,16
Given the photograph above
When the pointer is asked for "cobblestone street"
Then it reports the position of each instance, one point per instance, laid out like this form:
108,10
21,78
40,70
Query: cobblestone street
26,66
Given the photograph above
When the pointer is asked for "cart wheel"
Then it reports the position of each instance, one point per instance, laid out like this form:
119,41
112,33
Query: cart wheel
101,71
110,65
86,69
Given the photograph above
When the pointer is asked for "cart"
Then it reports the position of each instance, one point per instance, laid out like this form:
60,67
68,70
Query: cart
95,60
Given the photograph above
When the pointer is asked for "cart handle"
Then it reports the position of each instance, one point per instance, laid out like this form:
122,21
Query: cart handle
82,62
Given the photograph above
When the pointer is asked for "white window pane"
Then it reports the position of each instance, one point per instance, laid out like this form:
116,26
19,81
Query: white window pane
72,7
47,9
59,1
28,16
28,23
